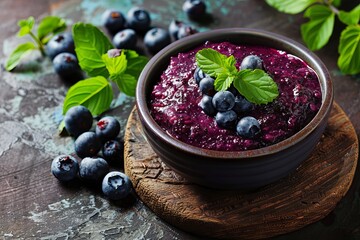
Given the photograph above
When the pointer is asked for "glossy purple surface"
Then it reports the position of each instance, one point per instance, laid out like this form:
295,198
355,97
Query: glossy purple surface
175,98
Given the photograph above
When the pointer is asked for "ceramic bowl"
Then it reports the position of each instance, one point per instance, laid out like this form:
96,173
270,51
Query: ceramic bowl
233,169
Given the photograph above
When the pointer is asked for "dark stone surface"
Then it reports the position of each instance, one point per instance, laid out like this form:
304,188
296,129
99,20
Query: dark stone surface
34,205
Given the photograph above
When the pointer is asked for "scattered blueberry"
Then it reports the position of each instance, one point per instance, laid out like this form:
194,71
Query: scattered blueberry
113,151
242,105
223,101
93,169
174,28
185,31
107,128
206,86
62,42
65,167
248,127
251,62
113,21
78,119
156,39
67,67
138,19
199,74
226,119
87,145
195,9
207,106
125,39
116,185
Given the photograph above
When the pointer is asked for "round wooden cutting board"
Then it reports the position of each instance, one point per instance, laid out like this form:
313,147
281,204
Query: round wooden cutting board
305,196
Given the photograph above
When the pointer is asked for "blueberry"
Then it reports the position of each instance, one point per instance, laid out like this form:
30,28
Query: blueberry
223,101
174,27
185,31
107,128
251,62
248,127
156,39
67,67
113,21
206,86
125,39
242,105
116,185
87,145
65,167
138,19
93,169
113,151
199,74
195,9
226,119
207,106
62,42
78,119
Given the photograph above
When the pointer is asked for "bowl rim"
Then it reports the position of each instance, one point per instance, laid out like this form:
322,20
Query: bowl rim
191,42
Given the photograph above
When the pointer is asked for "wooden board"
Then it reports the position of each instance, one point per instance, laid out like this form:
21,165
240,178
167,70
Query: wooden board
302,198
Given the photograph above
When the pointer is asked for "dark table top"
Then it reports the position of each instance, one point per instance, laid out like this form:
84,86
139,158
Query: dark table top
33,204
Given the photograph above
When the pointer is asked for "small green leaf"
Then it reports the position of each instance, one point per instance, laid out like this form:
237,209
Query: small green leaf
115,65
290,6
90,45
26,25
214,63
223,82
350,18
317,31
135,65
336,3
256,86
126,83
349,49
50,25
20,52
94,93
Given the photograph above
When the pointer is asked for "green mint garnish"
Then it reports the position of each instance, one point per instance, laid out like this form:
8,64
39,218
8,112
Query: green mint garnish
318,30
98,58
48,26
255,85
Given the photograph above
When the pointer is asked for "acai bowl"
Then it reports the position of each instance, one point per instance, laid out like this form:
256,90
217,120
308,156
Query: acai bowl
192,142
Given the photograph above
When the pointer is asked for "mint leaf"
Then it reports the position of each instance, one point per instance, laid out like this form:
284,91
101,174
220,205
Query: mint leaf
94,93
214,63
256,86
350,18
125,82
26,25
115,65
50,25
317,31
336,3
223,82
90,45
290,6
20,52
135,63
349,49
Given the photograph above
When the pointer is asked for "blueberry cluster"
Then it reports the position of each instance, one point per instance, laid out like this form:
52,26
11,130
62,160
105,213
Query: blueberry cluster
126,29
93,167
61,50
229,107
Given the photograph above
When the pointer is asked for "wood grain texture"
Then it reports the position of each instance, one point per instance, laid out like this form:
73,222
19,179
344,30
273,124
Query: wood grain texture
303,197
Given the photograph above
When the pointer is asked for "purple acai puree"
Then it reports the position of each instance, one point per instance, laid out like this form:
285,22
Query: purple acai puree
175,98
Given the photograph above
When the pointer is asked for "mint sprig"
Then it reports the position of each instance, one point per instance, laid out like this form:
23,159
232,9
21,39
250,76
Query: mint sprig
317,31
255,85
104,64
47,27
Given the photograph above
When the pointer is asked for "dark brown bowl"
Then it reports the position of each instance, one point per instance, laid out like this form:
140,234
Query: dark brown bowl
233,169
